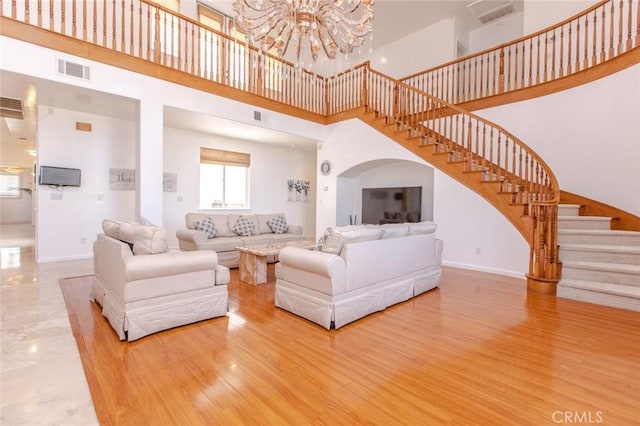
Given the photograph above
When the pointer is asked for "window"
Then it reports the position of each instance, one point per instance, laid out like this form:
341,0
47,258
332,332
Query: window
10,185
224,179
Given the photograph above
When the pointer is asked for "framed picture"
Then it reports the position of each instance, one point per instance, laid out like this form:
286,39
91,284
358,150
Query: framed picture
122,179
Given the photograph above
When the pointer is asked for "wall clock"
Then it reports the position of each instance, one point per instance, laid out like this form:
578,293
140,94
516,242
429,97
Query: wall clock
325,167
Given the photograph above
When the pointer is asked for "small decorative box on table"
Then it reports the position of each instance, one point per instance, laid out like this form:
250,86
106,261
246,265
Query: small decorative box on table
252,267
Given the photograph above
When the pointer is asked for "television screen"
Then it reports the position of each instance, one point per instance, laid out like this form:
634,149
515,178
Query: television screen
391,205
59,176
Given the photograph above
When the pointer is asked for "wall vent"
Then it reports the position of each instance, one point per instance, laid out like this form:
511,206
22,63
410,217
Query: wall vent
11,108
489,10
74,70
257,115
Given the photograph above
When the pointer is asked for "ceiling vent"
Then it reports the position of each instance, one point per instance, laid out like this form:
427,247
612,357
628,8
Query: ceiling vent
489,10
257,115
11,108
74,70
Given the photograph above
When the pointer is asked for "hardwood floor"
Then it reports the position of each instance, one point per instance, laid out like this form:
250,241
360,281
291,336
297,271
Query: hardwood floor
479,350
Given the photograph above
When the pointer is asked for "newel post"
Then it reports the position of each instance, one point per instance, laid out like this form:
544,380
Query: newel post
544,265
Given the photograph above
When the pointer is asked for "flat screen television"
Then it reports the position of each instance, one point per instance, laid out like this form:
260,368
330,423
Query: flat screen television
59,176
391,205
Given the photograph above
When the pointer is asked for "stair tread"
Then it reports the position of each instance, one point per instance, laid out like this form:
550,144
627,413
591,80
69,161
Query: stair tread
603,266
584,218
598,232
602,247
618,289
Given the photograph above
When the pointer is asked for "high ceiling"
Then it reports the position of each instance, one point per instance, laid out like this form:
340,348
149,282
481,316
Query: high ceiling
393,20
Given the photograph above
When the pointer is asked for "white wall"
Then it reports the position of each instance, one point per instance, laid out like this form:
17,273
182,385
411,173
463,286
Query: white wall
588,135
497,32
271,167
62,224
540,14
421,50
465,220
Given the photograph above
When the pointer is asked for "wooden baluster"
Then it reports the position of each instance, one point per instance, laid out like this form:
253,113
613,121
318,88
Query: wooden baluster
63,28
114,26
603,41
84,20
104,23
554,49
73,19
611,30
122,29
14,10
630,25
131,29
637,24
577,65
51,20
95,22
501,72
569,42
585,60
27,12
40,14
620,27
523,65
514,75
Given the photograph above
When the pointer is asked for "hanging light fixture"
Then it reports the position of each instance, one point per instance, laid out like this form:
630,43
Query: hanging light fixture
331,26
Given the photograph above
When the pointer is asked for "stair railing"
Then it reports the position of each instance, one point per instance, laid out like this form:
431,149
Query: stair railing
598,34
483,147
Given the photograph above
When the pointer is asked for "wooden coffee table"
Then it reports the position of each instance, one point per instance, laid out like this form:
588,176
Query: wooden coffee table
252,266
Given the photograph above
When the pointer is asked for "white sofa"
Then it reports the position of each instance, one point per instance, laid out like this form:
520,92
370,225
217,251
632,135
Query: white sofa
143,288
226,240
363,269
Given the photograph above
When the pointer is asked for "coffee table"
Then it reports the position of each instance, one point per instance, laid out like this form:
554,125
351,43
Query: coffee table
252,266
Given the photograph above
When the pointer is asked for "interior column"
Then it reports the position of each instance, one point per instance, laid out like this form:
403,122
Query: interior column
149,162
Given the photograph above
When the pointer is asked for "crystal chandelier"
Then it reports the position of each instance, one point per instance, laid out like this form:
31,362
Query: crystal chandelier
330,26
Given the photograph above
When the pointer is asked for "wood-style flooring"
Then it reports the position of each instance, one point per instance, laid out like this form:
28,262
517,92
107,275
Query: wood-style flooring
478,350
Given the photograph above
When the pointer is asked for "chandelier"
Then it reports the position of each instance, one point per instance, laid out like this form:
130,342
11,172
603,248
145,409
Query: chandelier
330,26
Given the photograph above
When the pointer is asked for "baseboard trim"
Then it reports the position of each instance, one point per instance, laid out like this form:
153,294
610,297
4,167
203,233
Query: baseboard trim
497,271
63,259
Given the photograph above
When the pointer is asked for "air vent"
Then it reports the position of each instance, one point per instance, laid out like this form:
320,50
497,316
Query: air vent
489,10
11,108
257,115
74,70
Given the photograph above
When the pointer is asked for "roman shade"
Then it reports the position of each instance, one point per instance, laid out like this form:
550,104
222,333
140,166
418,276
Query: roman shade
225,158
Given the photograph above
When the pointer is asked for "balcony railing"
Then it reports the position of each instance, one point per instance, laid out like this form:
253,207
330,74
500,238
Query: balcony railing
600,33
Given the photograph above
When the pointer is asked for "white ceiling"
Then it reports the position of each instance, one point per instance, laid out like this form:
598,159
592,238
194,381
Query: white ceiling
393,20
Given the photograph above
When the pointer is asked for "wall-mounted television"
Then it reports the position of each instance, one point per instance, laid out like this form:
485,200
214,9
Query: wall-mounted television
391,205
59,176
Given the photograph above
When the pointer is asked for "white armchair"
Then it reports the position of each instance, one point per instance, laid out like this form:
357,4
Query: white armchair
146,293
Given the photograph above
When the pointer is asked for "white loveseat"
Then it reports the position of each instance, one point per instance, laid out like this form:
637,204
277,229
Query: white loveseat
363,269
143,288
226,240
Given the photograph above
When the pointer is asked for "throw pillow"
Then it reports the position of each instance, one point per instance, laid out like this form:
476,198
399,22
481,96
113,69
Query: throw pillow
278,225
323,238
243,227
144,221
207,226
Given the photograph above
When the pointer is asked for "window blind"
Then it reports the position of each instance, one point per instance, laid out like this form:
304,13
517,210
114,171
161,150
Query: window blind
225,158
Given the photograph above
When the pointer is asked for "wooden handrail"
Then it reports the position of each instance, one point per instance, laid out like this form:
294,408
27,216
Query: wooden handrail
598,34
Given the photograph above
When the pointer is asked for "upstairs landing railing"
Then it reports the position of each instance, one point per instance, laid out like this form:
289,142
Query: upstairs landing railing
600,33
148,31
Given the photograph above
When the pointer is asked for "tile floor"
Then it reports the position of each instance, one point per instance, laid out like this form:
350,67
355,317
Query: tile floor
41,377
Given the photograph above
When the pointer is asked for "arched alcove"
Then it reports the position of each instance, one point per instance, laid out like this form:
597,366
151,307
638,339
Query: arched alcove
383,173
